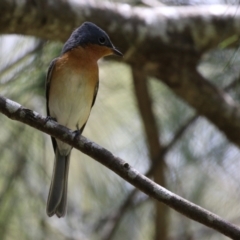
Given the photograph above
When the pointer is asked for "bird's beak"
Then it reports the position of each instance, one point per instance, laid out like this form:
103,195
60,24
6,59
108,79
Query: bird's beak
116,52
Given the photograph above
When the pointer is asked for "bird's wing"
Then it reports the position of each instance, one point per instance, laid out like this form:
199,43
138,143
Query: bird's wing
47,88
94,99
95,93
47,84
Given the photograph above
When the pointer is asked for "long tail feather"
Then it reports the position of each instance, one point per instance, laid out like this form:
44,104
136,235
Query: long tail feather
57,197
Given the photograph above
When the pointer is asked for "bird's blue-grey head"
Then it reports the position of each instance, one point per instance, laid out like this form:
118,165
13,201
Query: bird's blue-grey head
89,33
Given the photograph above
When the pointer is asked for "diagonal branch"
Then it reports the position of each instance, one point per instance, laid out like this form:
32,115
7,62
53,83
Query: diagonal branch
208,100
15,111
112,220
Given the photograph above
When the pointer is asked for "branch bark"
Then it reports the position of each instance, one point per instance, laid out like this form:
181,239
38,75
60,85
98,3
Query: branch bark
195,28
15,111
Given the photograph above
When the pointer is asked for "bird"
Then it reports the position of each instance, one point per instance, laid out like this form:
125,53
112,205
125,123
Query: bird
71,88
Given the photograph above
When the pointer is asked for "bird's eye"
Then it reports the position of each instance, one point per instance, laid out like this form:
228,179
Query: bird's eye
102,40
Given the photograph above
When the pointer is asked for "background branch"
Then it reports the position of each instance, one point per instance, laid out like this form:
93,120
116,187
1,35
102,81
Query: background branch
144,102
207,99
159,25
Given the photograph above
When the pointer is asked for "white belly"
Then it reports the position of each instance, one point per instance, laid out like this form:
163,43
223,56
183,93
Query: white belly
71,104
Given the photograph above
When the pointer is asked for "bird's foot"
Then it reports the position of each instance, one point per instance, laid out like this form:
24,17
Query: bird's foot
49,118
77,133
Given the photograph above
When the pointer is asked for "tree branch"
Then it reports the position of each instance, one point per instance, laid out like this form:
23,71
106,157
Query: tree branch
15,111
185,28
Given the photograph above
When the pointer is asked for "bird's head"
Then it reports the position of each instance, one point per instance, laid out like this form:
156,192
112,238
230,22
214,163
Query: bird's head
89,34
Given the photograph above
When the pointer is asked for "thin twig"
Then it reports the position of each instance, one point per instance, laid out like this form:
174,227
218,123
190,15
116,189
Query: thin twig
111,222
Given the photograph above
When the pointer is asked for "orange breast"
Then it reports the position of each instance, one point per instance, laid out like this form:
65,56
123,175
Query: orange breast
79,61
72,87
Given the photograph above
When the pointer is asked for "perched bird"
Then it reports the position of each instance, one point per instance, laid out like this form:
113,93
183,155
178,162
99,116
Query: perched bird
71,90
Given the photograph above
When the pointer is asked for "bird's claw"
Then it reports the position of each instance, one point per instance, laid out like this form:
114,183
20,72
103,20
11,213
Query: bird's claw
77,133
49,118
